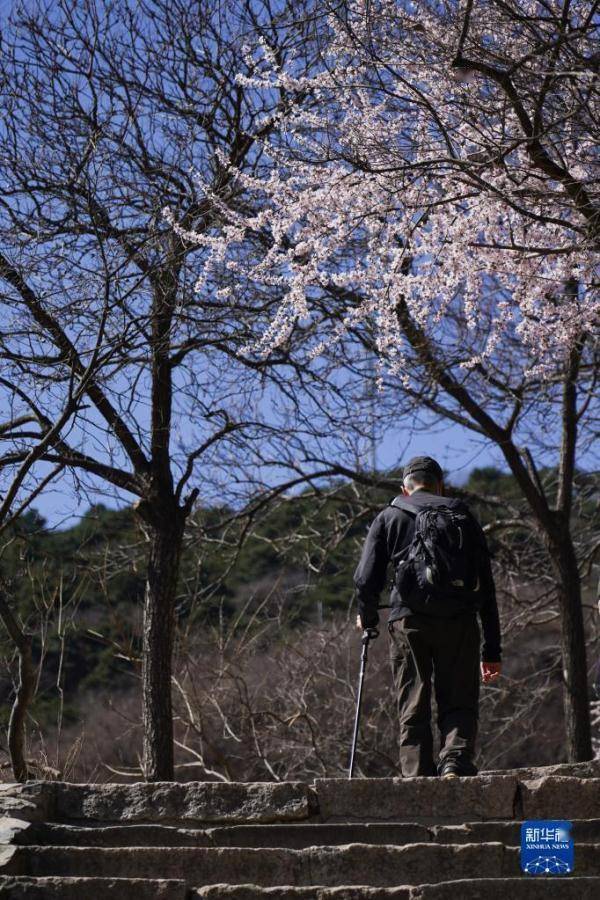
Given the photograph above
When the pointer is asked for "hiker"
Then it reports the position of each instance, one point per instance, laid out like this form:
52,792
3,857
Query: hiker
442,580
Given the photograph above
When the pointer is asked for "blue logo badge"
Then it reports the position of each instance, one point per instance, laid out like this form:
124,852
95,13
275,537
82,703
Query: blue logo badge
547,848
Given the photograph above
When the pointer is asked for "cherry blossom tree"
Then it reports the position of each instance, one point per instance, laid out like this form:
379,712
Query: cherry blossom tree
455,150
433,198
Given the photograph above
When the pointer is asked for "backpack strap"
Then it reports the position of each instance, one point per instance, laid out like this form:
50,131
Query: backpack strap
402,503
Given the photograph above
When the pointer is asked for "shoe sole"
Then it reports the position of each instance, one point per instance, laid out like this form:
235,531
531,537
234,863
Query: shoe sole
450,775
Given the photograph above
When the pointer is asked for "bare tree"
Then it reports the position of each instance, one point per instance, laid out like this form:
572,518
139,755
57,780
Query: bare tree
38,610
105,110
29,433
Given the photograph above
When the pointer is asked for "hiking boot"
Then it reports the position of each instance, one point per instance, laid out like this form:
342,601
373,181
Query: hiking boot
450,770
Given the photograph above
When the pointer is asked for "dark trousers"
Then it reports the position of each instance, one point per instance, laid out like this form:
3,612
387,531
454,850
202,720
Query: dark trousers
449,650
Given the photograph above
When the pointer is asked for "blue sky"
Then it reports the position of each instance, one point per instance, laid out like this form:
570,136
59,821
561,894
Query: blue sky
456,451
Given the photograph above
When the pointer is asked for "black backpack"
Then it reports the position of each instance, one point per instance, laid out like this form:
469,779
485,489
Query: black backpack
439,572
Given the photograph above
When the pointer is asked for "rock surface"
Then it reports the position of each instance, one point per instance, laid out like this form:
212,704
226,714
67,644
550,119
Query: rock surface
56,888
472,889
559,797
413,799
193,802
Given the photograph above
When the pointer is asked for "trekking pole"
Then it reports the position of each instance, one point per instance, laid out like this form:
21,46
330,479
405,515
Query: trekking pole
368,635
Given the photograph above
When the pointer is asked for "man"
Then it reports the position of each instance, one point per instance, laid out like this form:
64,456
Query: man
445,644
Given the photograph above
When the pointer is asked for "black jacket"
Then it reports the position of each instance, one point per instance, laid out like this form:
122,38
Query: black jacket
388,537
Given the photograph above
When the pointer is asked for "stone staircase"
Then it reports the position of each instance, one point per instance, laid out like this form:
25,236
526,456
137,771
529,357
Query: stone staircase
414,839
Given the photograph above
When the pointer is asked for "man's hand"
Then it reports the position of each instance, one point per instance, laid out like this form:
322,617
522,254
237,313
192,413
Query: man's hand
490,671
372,630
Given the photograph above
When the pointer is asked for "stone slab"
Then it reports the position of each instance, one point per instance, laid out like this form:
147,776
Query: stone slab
26,888
353,864
417,799
294,836
411,864
560,797
589,769
197,866
286,892
378,866
463,889
62,835
319,834
522,888
199,802
32,801
13,831
508,833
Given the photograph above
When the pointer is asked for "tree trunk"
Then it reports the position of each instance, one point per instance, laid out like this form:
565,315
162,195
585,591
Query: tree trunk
574,662
25,691
16,726
159,626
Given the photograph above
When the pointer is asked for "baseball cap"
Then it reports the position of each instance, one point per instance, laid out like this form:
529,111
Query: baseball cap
423,464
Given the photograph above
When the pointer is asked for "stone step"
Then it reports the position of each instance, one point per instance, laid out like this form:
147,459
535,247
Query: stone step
584,831
421,800
296,836
54,888
589,769
457,800
169,803
472,889
193,802
354,864
25,888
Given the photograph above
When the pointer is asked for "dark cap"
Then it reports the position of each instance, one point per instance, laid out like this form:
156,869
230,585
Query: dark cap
423,464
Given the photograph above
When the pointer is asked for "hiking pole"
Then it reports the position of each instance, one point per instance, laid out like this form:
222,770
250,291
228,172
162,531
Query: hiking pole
369,634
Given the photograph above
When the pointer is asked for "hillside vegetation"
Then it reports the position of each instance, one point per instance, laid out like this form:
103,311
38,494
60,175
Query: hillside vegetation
256,597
